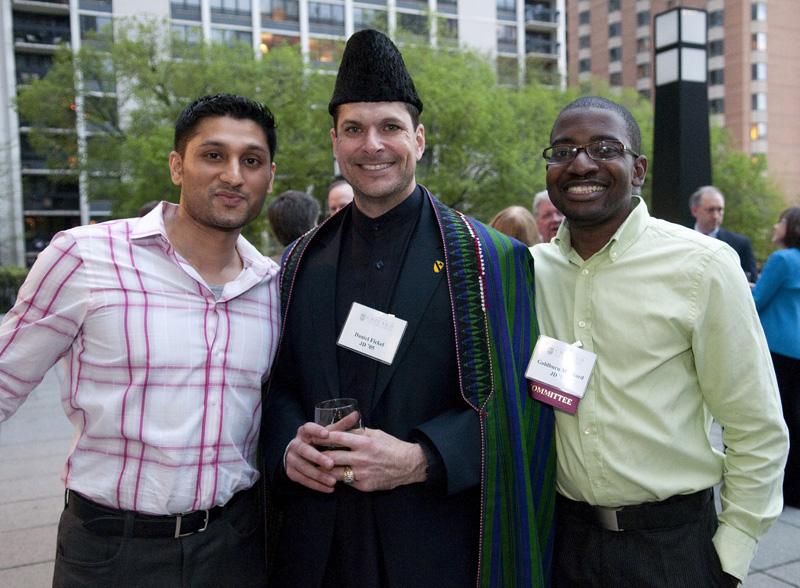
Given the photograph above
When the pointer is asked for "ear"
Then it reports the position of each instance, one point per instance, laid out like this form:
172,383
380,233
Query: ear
271,177
176,167
639,171
419,138
334,139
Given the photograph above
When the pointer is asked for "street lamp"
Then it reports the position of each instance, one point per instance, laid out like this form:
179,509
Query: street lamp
681,139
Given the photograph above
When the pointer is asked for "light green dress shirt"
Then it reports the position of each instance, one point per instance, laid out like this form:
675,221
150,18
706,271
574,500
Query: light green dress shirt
669,314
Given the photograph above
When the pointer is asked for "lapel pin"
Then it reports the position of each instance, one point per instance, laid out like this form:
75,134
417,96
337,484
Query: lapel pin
437,266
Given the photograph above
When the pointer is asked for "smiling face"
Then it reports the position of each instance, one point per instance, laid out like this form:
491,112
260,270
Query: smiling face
224,173
593,195
377,148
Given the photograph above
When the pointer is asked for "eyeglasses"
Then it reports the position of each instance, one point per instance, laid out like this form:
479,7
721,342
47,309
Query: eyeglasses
597,150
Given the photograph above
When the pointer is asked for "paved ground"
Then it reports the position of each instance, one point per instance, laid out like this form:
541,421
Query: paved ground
34,443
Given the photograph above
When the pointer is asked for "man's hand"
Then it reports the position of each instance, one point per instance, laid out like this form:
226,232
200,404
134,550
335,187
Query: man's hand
379,461
307,465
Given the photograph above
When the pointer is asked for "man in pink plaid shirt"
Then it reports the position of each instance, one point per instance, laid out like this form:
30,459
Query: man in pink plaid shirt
165,327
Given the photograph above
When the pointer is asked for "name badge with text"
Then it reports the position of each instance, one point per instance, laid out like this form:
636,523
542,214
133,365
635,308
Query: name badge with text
372,333
558,373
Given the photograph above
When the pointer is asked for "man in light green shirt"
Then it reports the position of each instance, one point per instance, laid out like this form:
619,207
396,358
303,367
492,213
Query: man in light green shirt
669,314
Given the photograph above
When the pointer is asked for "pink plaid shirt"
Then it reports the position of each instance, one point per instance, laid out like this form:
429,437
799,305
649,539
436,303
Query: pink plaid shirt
163,381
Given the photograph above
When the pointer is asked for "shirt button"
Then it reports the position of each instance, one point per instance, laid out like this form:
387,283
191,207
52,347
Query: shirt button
585,272
588,431
614,255
379,265
581,324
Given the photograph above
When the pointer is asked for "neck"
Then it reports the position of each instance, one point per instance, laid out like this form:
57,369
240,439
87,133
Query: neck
212,252
589,239
375,207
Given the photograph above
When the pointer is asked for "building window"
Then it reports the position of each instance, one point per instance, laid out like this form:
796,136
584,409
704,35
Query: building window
585,42
758,131
32,66
613,5
716,77
325,53
615,29
230,37
645,94
185,9
643,18
270,40
716,18
507,9
615,54
326,18
643,70
758,72
758,41
615,79
447,6
642,44
758,11
414,24
95,5
280,14
584,65
759,101
716,105
230,11
368,18
540,43
447,30
506,39
716,48
583,17
185,39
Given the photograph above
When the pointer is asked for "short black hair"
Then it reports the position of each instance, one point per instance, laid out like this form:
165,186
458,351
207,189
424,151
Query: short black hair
600,103
413,112
231,105
792,218
292,214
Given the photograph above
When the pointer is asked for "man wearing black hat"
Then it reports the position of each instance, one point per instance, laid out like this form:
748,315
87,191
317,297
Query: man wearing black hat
425,317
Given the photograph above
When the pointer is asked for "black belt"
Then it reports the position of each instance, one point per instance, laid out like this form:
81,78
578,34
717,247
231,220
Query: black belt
676,510
108,521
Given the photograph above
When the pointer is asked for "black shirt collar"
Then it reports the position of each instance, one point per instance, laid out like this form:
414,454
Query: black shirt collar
405,212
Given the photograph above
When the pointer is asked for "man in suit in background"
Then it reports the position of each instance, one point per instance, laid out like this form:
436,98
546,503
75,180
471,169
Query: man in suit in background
708,208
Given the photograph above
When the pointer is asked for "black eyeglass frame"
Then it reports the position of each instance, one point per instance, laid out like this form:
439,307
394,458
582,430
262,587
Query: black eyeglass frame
577,148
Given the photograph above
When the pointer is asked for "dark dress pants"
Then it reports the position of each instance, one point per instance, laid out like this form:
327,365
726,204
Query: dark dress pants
680,556
787,371
230,553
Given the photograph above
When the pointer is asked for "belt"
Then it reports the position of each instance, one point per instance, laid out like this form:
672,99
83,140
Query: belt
676,510
108,521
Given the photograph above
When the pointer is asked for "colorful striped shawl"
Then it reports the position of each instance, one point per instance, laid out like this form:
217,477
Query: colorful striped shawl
490,278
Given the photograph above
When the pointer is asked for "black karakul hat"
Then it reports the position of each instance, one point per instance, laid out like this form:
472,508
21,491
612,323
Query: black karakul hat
372,70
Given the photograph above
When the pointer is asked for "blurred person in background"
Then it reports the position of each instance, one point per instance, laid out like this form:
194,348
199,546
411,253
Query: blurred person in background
548,217
340,194
707,205
290,215
517,222
777,297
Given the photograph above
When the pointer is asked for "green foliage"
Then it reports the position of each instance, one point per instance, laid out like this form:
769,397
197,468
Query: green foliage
484,139
752,200
11,279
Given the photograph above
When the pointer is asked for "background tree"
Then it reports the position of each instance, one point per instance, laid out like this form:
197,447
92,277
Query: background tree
484,139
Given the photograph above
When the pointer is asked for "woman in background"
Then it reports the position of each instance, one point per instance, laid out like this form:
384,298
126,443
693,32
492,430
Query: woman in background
517,222
777,297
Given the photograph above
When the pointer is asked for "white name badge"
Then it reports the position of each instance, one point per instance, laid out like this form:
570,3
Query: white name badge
558,373
372,333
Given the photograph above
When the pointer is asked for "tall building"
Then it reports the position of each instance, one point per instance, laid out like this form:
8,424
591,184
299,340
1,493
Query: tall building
753,66
525,37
